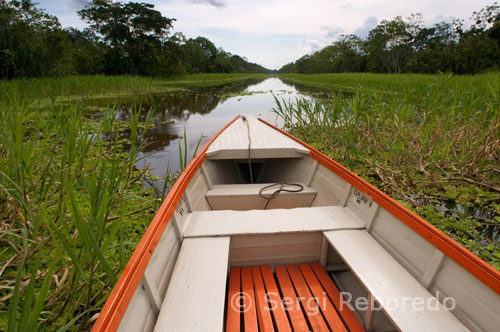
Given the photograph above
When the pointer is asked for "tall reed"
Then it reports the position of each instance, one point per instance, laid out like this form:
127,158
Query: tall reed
72,207
441,142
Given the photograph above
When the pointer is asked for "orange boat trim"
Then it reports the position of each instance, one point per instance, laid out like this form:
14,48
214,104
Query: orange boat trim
472,263
111,314
110,317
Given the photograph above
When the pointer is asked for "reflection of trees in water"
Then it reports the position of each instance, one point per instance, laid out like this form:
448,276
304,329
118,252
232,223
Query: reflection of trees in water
175,107
311,91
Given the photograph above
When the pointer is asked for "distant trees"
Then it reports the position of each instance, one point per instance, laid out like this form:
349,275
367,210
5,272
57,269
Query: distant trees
31,41
398,45
134,32
122,38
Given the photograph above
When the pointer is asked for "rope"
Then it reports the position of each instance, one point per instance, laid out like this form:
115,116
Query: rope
281,188
244,118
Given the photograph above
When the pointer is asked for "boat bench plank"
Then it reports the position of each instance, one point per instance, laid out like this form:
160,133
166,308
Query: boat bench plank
393,287
246,197
265,142
227,223
196,292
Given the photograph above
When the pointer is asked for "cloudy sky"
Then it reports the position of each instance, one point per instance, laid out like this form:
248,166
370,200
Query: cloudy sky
275,32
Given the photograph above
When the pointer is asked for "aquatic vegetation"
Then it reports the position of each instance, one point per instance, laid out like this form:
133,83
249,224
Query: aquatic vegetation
73,205
414,136
72,209
75,88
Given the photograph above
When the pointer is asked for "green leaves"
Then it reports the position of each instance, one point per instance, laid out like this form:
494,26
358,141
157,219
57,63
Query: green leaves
67,185
414,136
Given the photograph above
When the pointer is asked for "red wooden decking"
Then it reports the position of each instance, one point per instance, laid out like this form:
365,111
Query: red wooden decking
296,297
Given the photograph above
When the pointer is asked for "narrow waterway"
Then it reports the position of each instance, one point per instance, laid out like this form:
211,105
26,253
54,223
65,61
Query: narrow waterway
202,112
185,116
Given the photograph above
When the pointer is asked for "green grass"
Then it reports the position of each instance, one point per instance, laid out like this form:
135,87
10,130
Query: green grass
74,88
425,140
417,83
72,205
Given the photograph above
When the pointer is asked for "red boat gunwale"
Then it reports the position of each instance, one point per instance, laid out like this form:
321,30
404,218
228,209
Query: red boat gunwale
116,305
461,255
111,314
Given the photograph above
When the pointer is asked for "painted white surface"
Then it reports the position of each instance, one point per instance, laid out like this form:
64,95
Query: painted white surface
283,248
478,306
246,197
228,222
390,283
196,292
265,142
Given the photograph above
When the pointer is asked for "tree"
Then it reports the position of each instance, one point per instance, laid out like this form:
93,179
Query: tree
389,46
479,48
31,42
135,32
201,54
88,52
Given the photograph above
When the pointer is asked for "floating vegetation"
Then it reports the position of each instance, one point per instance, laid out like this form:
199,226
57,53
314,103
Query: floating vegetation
73,207
415,136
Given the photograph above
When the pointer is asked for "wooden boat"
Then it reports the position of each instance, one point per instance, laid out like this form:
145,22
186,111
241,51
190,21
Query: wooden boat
221,241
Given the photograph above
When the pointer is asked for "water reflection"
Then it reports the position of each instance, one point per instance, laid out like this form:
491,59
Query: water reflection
201,112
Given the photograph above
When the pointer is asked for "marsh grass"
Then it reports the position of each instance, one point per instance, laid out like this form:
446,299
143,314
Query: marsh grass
71,89
415,136
73,207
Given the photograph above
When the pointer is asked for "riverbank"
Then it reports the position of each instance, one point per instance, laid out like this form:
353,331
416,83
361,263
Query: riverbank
73,206
75,88
430,141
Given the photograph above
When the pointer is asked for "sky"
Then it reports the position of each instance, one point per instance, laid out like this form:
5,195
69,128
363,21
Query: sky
273,33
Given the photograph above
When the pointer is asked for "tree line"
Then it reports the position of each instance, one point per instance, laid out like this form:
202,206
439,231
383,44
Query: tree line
408,46
122,38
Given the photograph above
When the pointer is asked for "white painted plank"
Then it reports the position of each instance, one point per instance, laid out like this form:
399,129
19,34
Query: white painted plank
137,313
230,190
196,292
224,223
266,142
390,283
243,197
152,291
477,304
433,268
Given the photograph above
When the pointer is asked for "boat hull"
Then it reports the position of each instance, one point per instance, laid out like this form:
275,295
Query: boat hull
438,262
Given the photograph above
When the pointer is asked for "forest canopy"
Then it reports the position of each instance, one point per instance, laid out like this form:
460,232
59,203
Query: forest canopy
122,38
409,46
134,38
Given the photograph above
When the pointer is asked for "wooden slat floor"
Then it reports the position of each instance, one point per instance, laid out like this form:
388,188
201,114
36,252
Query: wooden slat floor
299,297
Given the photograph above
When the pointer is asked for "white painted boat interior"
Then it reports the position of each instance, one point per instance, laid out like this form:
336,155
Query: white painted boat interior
246,197
265,142
197,303
220,222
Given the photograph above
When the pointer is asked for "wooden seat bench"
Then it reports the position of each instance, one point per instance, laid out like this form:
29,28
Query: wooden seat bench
196,292
309,300
246,197
228,223
390,285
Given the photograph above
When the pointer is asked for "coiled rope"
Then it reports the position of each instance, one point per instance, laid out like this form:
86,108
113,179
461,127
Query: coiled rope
282,188
282,185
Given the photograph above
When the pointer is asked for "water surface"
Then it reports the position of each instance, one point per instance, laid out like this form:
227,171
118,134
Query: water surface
202,112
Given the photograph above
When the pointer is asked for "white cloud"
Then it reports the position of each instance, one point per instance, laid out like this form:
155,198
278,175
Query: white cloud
77,4
311,46
346,5
368,24
333,32
215,3
443,18
268,31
